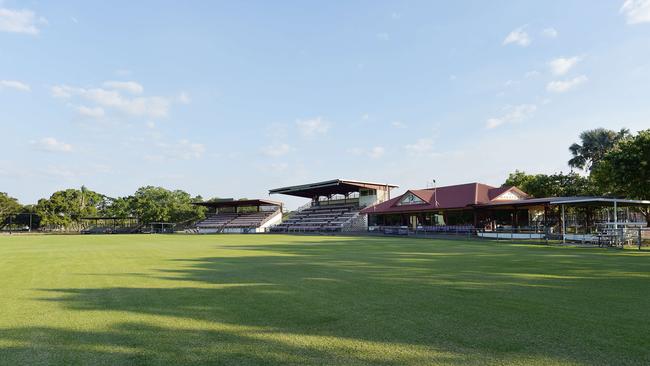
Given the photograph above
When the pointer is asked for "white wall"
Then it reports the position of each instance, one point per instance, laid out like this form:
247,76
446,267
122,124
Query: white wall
381,196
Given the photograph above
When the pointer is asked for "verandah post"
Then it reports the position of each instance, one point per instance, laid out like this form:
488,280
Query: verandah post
563,226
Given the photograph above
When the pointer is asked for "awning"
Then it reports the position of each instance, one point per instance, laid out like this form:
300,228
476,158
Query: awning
329,187
239,203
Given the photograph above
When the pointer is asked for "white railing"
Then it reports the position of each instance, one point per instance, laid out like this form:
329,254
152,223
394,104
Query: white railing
358,222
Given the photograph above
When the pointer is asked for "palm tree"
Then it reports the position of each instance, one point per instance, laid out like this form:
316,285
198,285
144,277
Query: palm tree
595,144
83,191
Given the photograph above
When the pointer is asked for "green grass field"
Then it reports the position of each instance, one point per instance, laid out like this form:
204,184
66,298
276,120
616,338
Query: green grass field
306,300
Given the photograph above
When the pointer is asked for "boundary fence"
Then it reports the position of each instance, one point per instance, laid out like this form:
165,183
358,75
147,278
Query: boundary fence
621,237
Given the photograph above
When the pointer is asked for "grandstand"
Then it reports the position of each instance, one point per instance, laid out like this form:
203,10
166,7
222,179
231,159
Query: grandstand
239,216
335,205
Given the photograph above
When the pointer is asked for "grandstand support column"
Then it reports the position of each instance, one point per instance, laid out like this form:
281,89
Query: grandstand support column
563,226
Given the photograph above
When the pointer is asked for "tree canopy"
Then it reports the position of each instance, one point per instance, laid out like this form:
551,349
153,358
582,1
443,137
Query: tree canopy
618,164
65,208
8,207
625,170
594,145
157,204
554,185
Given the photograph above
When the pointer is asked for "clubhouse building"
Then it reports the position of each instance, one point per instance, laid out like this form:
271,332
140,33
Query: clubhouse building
486,210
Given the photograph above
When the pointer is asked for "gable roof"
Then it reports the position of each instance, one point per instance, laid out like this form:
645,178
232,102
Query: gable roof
497,192
447,197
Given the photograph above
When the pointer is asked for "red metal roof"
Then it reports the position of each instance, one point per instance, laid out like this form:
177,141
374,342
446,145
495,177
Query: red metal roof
448,197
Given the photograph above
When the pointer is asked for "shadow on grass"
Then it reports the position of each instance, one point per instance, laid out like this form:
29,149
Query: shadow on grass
367,301
144,344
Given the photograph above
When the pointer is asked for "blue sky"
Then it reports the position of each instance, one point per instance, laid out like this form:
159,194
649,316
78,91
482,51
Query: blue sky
231,99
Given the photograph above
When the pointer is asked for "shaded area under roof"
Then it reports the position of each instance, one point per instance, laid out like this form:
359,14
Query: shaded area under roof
239,203
329,187
574,201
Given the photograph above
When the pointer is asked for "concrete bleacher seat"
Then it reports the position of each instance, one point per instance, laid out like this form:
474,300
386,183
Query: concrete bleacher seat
217,220
235,220
248,220
318,218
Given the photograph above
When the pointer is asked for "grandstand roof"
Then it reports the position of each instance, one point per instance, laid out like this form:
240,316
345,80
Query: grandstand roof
239,203
329,187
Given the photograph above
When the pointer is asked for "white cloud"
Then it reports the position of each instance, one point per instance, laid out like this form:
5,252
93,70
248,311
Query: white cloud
561,86
276,131
52,145
184,98
129,86
375,152
398,124
277,167
60,172
512,114
636,11
20,21
313,127
518,36
189,150
92,112
549,32
61,91
562,65
182,150
16,85
531,74
276,150
138,106
422,146
122,72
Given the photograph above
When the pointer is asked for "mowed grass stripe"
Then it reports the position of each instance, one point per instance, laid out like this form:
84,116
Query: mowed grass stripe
275,299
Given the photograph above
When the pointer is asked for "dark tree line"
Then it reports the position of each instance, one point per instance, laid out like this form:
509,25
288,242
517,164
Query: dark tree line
64,210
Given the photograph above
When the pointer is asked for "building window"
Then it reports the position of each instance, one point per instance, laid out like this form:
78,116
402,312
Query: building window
411,199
